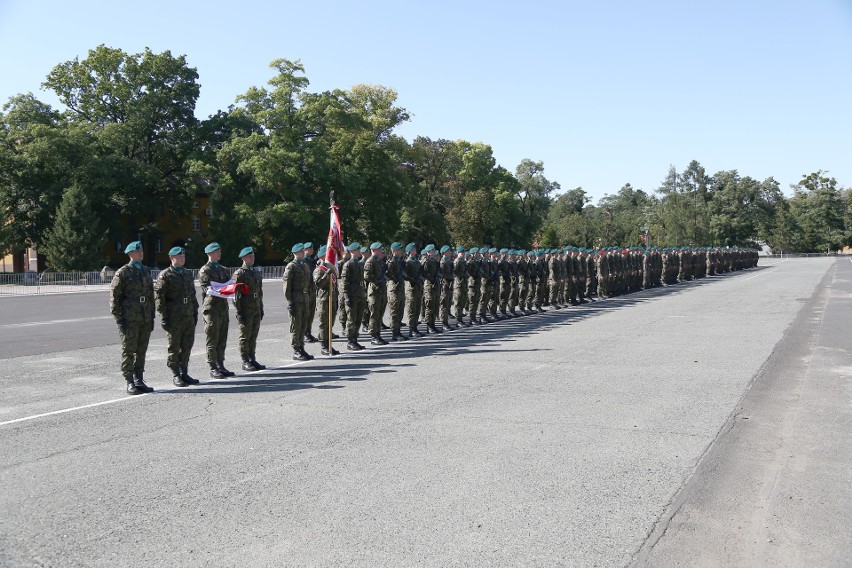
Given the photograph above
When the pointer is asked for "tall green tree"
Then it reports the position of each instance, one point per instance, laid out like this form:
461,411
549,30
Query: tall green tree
818,210
76,240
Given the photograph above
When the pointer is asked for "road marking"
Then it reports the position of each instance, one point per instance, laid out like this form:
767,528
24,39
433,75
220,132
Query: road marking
51,322
761,273
114,400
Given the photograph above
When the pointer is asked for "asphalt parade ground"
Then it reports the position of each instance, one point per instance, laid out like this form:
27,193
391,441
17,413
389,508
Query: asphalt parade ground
702,424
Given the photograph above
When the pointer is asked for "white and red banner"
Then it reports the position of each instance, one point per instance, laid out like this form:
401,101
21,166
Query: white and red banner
334,246
227,289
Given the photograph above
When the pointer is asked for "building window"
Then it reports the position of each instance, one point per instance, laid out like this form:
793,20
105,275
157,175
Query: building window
209,211
196,205
196,223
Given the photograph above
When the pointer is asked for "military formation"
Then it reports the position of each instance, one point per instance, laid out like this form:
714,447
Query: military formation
439,289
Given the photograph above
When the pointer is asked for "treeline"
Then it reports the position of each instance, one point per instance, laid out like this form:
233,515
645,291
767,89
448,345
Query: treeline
127,148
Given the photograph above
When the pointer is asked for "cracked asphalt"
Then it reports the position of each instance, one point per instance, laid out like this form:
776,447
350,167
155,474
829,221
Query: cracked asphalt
665,428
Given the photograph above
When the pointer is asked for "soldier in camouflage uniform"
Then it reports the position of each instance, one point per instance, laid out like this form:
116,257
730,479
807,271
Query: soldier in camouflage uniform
474,285
178,308
249,305
215,311
430,268
447,280
396,290
484,285
377,291
460,288
311,263
354,295
296,291
341,305
326,285
413,289
131,301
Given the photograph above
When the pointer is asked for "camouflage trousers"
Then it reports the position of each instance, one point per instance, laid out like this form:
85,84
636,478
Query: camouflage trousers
459,299
396,302
413,299
446,300
377,302
180,337
249,329
216,334
431,303
322,304
134,346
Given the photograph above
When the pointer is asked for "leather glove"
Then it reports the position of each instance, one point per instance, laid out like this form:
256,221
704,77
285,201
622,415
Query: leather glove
122,326
291,309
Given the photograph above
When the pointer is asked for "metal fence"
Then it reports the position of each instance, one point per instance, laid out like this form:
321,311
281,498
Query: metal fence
35,283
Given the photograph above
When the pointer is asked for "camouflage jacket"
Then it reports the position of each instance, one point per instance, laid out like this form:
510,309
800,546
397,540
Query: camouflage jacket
251,302
131,295
212,273
175,292
297,282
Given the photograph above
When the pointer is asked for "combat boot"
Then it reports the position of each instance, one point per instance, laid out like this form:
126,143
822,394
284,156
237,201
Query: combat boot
186,378
248,366
325,351
298,355
354,346
177,379
311,339
305,353
215,372
257,365
139,383
377,340
396,335
131,388
434,329
225,371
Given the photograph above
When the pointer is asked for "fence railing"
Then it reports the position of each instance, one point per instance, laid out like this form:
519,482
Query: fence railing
35,283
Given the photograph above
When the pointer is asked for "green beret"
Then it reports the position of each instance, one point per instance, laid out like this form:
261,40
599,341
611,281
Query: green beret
376,245
408,247
364,250
539,252
474,250
174,251
445,248
212,247
246,251
354,247
492,249
321,251
135,245
429,248
531,253
396,245
522,251
308,245
459,248
298,247
504,250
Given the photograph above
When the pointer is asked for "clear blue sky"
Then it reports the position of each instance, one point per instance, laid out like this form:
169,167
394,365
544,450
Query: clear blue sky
604,93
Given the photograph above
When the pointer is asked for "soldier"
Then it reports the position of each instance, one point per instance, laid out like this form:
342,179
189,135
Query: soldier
431,270
311,263
377,293
296,290
215,311
366,253
447,278
555,277
249,305
354,295
505,282
460,288
341,305
523,282
132,305
484,285
413,289
396,290
474,282
325,282
541,288
178,308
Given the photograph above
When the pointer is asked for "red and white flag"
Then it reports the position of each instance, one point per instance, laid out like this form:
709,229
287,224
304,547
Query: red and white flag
227,289
334,246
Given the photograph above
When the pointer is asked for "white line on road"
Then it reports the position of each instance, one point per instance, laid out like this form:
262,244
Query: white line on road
136,396
51,322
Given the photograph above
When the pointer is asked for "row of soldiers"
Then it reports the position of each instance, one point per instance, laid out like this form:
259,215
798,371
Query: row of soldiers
470,286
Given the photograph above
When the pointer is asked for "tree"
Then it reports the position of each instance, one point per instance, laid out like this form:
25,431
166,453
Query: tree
534,191
76,240
818,210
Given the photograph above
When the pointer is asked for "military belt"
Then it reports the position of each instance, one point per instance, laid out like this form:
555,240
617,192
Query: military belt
255,295
142,299
186,300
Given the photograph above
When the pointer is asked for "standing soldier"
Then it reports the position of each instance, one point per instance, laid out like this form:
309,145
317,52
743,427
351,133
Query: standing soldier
249,307
523,281
554,268
341,305
460,289
396,290
377,292
541,288
474,282
505,282
447,277
296,277
215,311
366,253
131,301
178,307
431,287
326,285
311,263
354,295
484,285
413,290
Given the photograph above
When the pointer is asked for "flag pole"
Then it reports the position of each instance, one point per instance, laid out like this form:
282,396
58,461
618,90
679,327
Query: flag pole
330,290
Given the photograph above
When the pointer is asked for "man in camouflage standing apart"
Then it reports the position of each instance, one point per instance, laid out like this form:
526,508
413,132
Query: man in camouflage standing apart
215,312
354,295
178,308
131,300
326,284
377,292
249,309
396,290
296,291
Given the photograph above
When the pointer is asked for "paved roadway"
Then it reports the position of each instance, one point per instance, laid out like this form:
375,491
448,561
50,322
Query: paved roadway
702,424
